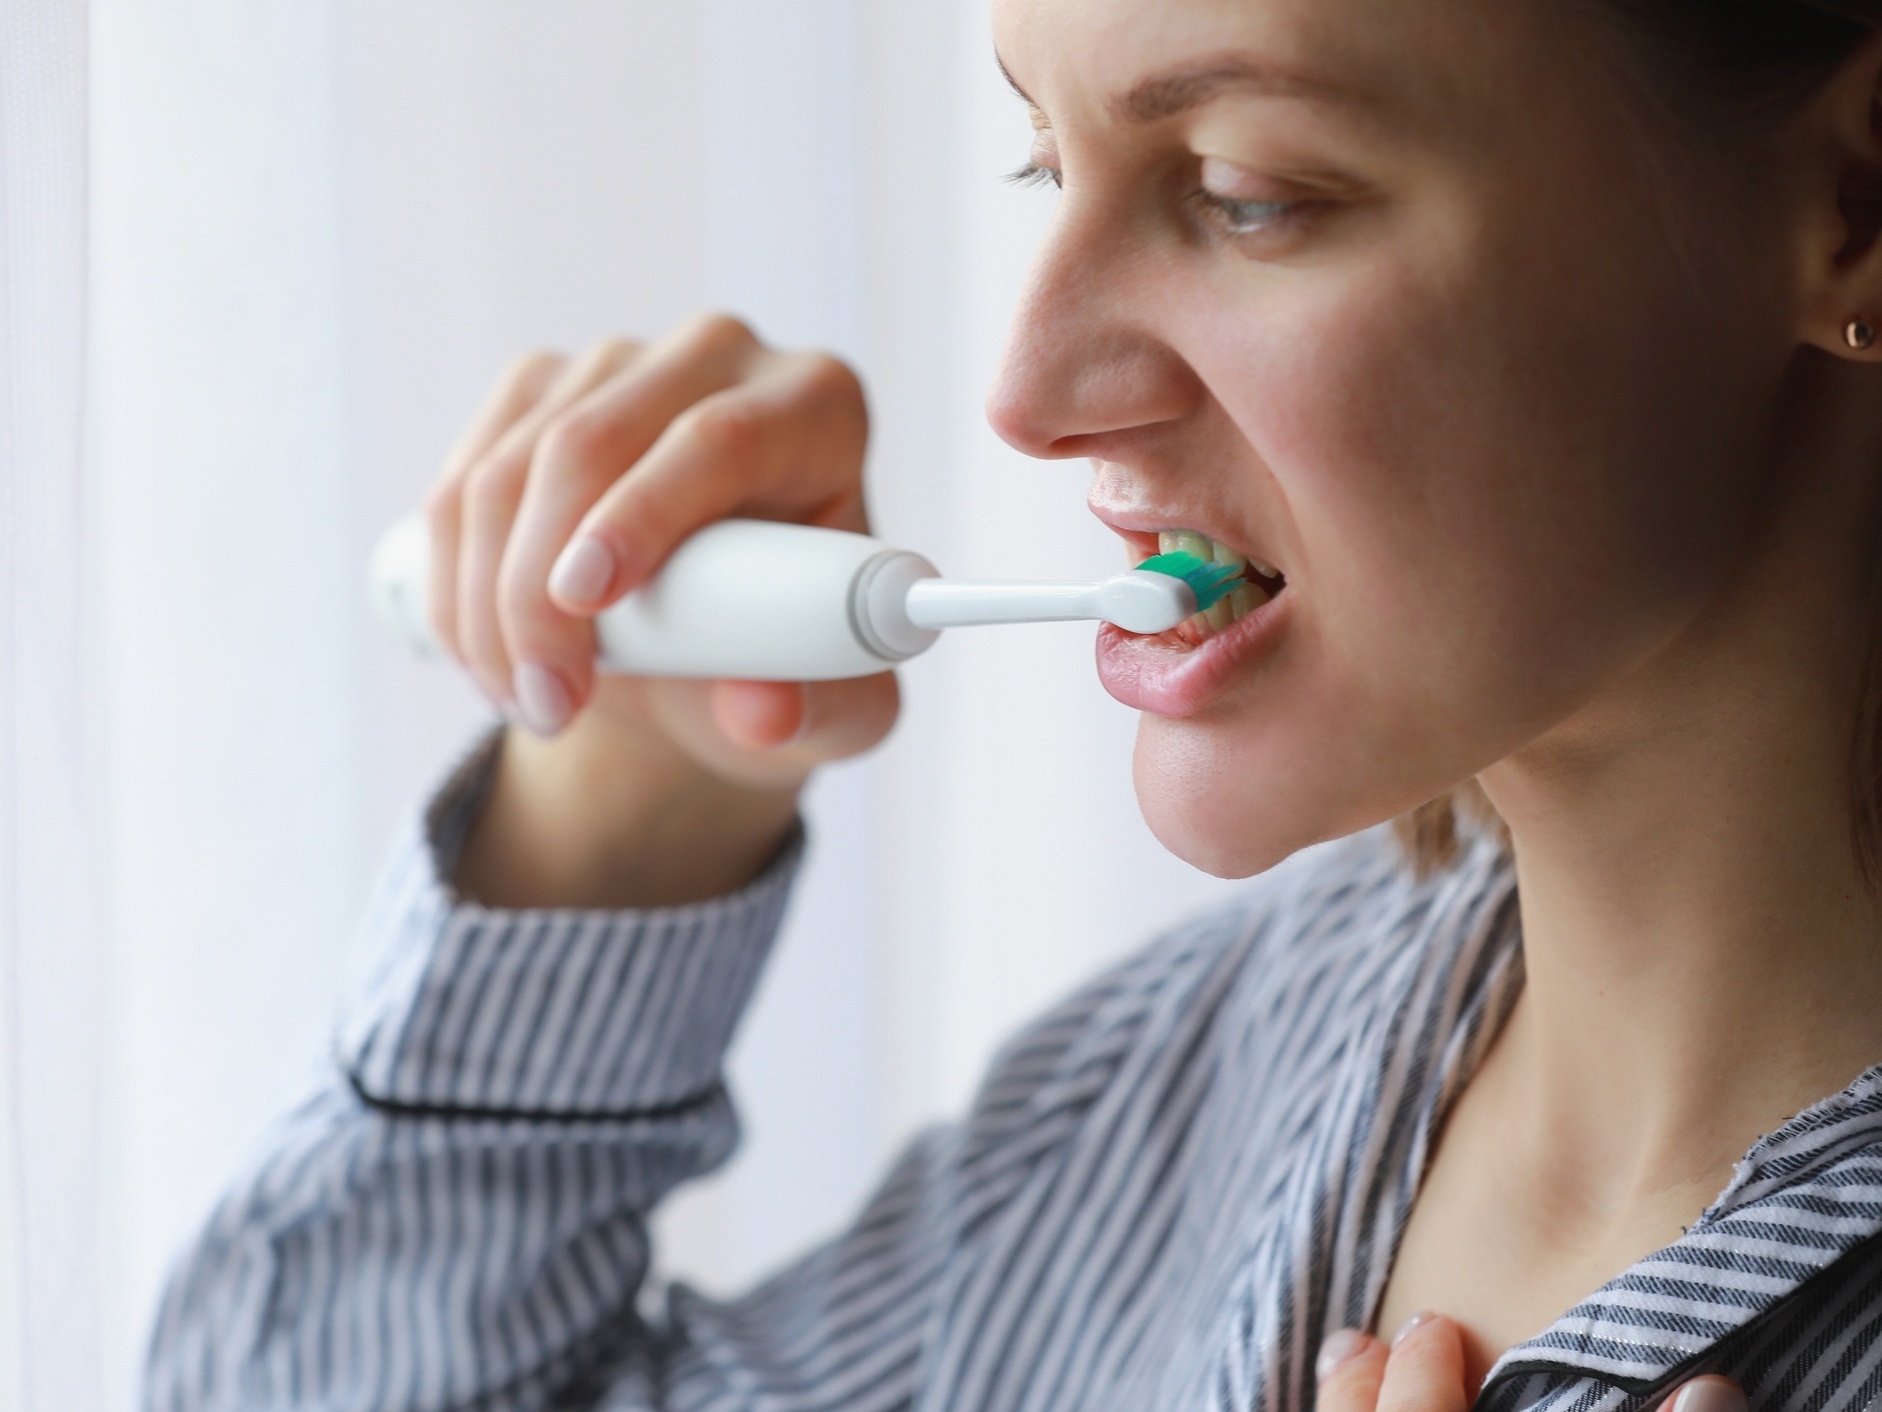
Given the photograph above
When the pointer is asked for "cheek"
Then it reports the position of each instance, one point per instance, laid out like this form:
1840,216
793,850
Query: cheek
1477,510
1484,531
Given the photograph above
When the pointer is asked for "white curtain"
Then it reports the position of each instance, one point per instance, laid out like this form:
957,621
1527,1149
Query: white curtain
259,263
51,974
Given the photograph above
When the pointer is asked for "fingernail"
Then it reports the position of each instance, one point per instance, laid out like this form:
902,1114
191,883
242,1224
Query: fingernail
583,571
1340,1346
542,700
1416,1321
1711,1395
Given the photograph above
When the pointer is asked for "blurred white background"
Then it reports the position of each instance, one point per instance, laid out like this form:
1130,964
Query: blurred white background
258,262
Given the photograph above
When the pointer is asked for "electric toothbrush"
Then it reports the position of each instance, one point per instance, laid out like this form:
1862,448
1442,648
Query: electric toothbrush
763,601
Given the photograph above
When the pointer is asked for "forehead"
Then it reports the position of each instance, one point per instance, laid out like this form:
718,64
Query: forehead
1112,60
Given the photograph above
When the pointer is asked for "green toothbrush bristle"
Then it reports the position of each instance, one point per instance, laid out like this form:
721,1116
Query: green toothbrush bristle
1211,583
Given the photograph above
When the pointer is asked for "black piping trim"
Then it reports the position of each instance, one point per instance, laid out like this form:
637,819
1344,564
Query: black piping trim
450,1113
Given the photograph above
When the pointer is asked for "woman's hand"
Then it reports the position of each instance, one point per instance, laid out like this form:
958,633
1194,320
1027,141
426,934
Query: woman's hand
1425,1370
569,490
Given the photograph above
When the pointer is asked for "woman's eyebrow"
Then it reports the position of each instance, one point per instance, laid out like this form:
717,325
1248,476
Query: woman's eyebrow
1169,94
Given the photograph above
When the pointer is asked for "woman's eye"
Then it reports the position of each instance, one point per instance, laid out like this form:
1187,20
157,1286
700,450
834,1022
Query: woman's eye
1036,174
1231,215
1238,201
1237,217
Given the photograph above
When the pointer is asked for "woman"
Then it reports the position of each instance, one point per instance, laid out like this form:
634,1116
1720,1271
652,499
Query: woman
1529,348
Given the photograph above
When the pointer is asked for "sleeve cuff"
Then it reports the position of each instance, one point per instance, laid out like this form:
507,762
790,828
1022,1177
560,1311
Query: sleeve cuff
550,1013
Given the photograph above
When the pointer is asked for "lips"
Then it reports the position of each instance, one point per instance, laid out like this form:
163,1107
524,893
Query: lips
1167,675
1178,673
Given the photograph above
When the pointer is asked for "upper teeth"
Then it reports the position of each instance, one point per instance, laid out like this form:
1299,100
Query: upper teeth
1209,551
1187,542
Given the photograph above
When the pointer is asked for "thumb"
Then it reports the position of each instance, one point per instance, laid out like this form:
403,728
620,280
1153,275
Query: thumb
1349,1372
811,723
1426,1370
1711,1393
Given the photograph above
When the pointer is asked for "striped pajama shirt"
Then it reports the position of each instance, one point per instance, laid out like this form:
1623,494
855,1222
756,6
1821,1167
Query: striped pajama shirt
1167,1192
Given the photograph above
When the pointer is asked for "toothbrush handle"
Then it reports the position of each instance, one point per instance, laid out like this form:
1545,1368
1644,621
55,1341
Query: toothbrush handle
745,599
969,603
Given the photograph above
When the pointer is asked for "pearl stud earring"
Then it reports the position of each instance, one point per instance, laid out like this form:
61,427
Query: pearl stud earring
1859,334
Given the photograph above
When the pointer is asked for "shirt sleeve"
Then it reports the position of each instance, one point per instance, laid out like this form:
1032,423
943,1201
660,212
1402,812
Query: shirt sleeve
457,1218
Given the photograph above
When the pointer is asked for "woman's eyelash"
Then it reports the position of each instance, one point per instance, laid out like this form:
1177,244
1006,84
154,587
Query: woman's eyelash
1243,217
1234,217
1032,174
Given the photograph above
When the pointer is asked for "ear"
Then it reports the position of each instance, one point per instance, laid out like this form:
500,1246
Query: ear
1841,303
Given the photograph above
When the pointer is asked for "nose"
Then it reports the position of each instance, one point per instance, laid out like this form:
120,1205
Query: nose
1085,360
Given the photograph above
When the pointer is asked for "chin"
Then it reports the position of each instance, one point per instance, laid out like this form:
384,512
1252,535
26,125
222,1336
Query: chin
1205,801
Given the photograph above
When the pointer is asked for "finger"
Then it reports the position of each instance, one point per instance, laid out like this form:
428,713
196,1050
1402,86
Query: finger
584,449
1709,1394
1349,1371
1426,1369
845,718
788,444
808,724
758,715
492,490
519,389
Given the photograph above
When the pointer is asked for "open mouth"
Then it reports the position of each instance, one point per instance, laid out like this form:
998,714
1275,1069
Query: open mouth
1257,585
1178,673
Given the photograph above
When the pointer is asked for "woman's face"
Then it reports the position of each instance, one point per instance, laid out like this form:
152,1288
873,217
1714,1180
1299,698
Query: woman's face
1430,309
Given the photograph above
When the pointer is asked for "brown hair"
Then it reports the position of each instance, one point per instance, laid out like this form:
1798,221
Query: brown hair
1750,63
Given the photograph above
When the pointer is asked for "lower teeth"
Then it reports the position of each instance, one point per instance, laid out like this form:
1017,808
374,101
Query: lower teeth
1224,612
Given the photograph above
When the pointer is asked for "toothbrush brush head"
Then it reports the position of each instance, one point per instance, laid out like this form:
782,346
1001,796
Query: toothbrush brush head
1211,583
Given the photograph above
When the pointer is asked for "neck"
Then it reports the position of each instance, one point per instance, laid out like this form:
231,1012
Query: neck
1704,957
1688,988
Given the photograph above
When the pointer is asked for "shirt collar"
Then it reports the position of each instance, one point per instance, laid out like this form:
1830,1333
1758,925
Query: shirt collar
1804,1196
